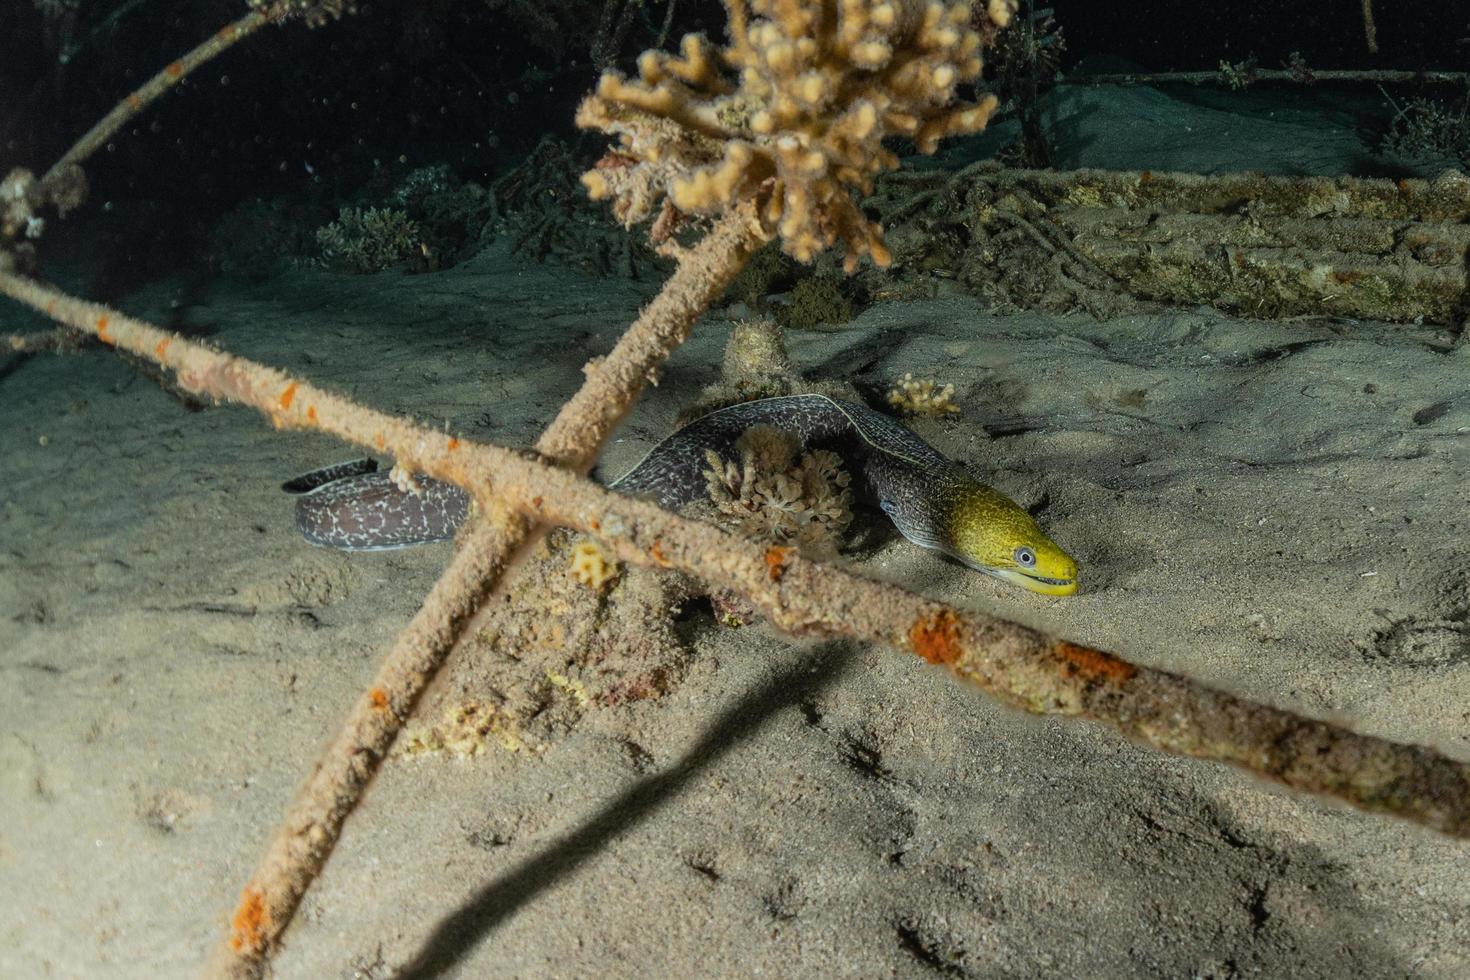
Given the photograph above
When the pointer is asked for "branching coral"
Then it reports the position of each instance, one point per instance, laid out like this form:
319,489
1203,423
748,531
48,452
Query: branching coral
793,113
922,396
1240,74
368,240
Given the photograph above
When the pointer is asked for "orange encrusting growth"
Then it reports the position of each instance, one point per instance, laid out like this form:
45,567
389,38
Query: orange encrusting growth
379,698
776,557
250,925
288,396
102,330
1093,665
936,637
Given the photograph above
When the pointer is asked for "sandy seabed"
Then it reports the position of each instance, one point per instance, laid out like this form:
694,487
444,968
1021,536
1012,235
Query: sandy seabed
1274,508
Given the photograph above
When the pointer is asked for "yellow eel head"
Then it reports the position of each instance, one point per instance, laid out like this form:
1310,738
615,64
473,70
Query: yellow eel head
991,533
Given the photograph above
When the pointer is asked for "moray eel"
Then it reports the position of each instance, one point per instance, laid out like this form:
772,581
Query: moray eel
932,501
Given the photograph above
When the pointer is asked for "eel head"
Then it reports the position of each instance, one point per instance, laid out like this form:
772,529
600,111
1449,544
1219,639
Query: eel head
992,534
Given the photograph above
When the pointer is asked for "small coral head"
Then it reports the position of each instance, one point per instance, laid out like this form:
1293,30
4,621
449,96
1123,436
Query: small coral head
992,534
792,113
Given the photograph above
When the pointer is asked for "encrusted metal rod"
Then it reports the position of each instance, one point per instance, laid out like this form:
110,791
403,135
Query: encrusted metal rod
314,821
1017,665
135,101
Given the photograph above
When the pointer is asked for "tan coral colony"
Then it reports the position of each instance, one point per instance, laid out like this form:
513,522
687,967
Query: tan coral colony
792,112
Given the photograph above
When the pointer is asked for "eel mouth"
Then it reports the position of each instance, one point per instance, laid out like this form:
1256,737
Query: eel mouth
1035,583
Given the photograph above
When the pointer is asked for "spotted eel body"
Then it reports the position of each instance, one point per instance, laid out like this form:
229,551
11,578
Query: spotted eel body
354,507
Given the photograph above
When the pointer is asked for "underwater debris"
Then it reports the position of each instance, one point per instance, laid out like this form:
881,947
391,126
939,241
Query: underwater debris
922,396
1039,673
1246,243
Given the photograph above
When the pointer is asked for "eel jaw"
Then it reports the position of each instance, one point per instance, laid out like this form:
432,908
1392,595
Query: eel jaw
1031,582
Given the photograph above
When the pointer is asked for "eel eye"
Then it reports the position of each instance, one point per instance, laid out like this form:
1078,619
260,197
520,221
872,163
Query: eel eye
1025,557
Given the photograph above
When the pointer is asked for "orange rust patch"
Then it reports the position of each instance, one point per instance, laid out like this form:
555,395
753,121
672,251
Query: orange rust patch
311,413
536,502
102,329
936,638
162,347
250,923
776,558
657,554
379,698
288,396
1145,177
175,70
595,524
1093,665
380,440
134,102
227,32
453,444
